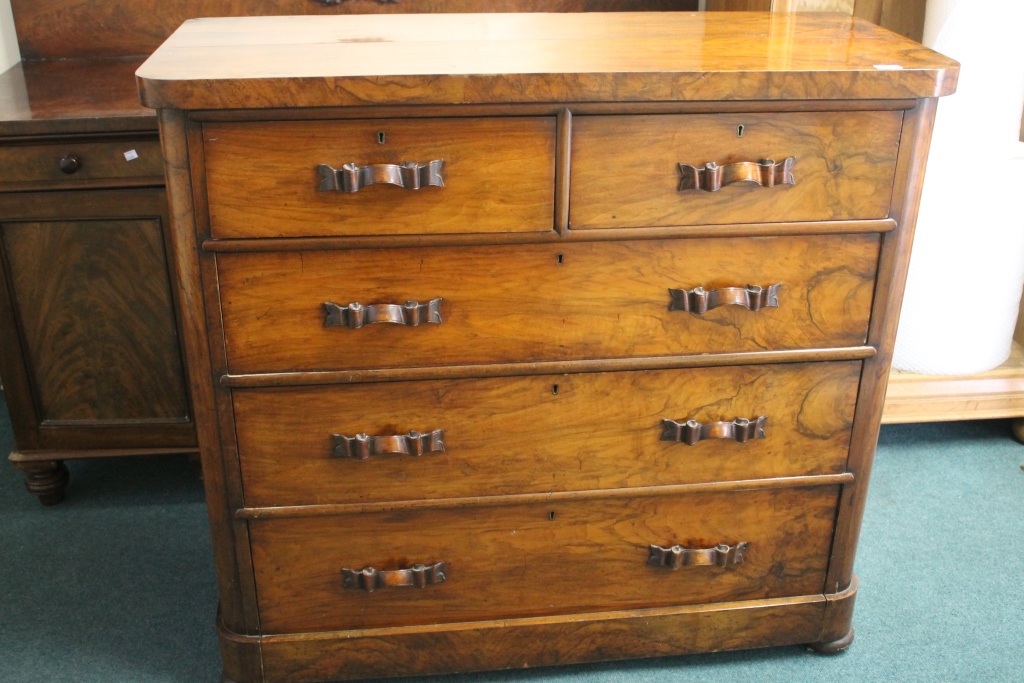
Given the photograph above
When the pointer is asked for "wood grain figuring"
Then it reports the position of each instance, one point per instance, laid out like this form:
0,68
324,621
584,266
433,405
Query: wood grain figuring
844,167
52,28
894,261
233,576
96,312
33,433
275,193
239,654
24,166
838,617
520,560
537,642
556,433
605,299
254,63
232,491
541,507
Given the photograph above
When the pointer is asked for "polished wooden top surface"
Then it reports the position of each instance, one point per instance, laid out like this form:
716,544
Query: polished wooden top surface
53,29
258,62
75,96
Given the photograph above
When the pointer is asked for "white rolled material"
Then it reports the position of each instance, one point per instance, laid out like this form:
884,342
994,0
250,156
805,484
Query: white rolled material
967,267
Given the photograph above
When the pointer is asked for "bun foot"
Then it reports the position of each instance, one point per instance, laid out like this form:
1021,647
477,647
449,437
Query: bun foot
46,480
833,647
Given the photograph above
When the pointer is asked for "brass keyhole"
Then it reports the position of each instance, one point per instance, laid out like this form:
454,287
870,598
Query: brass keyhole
551,515
554,389
739,130
561,259
380,138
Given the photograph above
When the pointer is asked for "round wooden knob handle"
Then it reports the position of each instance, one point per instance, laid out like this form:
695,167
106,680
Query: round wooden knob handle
69,163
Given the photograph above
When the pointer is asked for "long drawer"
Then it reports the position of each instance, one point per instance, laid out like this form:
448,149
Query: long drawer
283,311
467,176
521,560
628,171
538,434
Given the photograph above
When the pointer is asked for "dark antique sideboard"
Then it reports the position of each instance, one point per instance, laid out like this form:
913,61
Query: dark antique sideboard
90,352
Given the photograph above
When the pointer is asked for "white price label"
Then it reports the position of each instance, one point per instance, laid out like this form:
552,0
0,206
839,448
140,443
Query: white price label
131,155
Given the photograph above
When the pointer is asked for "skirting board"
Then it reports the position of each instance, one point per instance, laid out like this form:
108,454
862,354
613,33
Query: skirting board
998,393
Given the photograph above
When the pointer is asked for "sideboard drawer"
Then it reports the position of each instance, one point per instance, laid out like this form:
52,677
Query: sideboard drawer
534,434
80,161
542,302
497,175
626,169
522,560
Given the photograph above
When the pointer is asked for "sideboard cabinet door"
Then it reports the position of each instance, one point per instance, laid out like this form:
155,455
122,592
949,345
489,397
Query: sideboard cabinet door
89,345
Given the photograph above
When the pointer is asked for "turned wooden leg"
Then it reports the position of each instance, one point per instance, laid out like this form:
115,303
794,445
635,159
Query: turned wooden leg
833,647
1017,425
46,480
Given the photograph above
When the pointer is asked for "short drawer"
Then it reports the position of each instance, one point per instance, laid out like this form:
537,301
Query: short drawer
78,161
541,302
289,179
528,560
537,434
626,169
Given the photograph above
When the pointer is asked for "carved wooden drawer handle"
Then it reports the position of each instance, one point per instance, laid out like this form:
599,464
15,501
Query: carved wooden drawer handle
352,178
721,555
691,431
711,177
355,315
417,576
700,300
362,446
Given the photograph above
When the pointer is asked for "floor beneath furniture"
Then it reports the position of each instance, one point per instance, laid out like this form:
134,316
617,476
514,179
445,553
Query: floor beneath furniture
116,584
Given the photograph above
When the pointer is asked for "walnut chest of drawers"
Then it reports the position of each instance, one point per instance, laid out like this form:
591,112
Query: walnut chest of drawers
519,340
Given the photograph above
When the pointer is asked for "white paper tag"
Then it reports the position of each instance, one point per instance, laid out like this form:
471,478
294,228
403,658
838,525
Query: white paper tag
888,67
131,155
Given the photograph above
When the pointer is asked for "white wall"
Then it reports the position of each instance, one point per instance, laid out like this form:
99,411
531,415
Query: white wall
9,55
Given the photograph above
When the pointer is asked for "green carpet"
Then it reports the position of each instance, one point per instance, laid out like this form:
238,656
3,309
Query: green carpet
116,584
